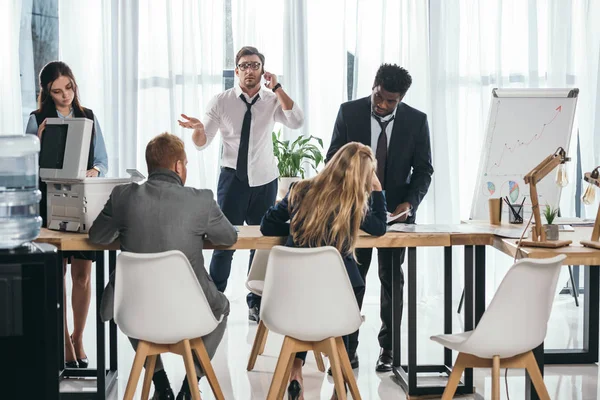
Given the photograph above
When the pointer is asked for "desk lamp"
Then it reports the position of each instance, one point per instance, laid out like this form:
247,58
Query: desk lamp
588,198
538,234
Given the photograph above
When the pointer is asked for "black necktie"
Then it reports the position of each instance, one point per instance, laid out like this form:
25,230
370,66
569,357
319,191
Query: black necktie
382,147
241,170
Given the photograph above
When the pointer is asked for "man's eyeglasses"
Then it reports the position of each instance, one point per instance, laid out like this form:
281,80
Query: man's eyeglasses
254,65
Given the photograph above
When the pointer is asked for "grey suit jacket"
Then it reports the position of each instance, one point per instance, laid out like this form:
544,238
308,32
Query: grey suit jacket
162,215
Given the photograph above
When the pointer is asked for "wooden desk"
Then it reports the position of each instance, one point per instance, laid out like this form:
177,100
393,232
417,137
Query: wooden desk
249,237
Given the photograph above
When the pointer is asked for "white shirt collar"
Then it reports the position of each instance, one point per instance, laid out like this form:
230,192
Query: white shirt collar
238,91
387,117
70,114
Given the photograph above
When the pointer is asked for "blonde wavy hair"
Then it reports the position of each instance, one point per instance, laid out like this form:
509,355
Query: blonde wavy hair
335,202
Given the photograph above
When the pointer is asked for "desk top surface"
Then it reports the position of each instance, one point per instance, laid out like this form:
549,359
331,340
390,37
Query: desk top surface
249,237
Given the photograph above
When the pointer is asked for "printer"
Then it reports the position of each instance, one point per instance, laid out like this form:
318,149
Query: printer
73,200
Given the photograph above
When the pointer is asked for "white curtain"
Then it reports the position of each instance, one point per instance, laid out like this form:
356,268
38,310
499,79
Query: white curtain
11,122
508,43
149,64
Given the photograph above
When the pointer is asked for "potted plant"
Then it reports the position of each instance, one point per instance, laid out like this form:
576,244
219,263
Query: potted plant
290,157
551,229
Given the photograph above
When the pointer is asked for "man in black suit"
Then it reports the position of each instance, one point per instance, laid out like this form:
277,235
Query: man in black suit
399,136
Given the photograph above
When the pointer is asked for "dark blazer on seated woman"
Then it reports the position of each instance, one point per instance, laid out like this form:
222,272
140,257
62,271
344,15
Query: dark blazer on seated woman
276,223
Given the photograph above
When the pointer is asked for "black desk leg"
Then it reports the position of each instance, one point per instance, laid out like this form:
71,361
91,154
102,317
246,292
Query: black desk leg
479,283
100,337
396,312
60,289
447,301
591,311
530,393
412,319
112,262
469,286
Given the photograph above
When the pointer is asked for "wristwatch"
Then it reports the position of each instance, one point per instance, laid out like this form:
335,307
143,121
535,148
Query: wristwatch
96,168
276,87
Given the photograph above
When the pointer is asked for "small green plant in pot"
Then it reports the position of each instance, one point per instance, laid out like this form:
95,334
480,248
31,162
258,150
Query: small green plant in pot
551,229
290,157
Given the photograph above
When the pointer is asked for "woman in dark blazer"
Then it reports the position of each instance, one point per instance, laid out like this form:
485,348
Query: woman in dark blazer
59,98
329,210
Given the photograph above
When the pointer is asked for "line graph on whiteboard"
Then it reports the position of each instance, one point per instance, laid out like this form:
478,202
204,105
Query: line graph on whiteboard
511,148
521,132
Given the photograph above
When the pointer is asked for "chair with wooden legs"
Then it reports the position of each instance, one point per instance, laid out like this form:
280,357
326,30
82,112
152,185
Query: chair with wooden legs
308,298
159,301
255,283
514,324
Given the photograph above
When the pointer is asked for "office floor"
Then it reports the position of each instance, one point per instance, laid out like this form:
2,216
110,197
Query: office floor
577,382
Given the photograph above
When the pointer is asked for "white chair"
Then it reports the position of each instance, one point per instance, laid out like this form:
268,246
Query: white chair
159,301
513,325
255,283
308,298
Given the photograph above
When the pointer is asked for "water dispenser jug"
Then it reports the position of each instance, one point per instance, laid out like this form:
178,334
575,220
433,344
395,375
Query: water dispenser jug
19,195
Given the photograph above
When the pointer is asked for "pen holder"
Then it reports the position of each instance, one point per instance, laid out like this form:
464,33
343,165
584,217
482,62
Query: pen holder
515,214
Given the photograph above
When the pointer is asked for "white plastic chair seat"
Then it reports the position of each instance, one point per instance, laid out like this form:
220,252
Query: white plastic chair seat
308,295
455,341
255,287
159,299
517,317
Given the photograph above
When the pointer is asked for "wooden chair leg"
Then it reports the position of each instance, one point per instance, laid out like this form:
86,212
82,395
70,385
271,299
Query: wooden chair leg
496,378
258,345
319,360
347,369
536,376
136,369
190,370
286,377
282,363
150,365
206,365
454,379
264,340
334,360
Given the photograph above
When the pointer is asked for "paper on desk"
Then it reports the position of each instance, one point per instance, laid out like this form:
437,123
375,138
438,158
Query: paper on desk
392,218
507,232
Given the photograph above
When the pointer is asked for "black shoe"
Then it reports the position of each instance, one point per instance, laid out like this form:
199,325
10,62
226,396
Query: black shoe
353,363
83,362
385,361
166,394
294,390
254,314
71,364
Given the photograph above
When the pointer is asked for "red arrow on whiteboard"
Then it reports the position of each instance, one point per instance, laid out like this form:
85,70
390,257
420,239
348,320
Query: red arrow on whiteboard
559,108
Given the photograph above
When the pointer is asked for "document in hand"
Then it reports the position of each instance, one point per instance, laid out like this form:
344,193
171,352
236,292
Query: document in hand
391,218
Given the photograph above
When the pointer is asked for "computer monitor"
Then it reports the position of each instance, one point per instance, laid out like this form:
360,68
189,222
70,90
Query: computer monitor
65,148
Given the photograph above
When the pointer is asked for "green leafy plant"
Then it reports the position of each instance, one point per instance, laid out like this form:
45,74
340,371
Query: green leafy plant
290,155
550,213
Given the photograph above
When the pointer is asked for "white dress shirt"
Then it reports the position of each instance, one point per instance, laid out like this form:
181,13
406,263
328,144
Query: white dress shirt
225,113
376,130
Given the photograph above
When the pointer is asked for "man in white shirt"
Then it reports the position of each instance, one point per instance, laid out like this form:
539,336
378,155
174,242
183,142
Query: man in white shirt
245,116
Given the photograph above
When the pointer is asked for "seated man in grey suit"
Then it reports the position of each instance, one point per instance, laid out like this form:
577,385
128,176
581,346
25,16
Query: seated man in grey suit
162,215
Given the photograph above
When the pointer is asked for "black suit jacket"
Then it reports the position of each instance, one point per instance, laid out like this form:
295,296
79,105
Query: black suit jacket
409,169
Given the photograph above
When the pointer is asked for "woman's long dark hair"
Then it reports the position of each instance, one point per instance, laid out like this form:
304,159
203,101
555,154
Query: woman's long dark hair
51,72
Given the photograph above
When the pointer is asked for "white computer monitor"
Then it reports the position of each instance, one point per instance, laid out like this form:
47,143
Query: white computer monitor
65,148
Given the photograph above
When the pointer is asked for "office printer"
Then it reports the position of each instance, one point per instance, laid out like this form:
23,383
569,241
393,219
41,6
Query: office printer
73,200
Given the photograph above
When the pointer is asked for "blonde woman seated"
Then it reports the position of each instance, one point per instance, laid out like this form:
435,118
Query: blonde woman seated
329,210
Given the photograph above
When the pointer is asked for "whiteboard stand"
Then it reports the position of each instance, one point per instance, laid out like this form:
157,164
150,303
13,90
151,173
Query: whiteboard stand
523,127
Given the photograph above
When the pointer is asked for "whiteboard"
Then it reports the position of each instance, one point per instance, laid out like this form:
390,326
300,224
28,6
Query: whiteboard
524,127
